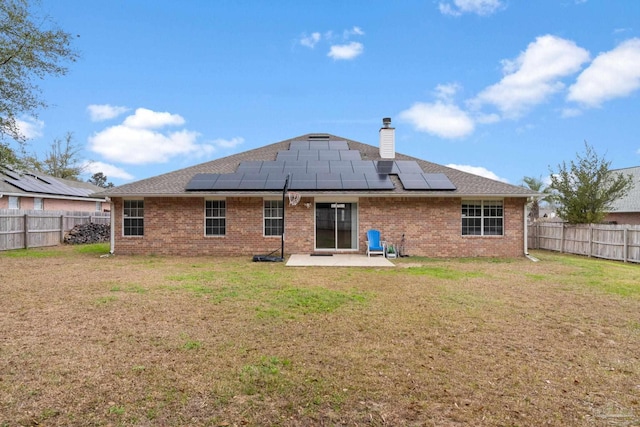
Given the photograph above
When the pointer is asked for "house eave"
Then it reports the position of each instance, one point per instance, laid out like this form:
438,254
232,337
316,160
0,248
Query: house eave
324,194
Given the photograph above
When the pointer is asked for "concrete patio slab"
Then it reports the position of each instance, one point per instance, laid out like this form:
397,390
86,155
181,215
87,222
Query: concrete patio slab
339,260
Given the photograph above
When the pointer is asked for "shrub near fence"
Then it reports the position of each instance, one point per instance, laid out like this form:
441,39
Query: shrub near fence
21,229
610,241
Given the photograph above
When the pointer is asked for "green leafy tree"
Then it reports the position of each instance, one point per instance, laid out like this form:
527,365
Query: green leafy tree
585,189
100,180
8,157
536,184
31,48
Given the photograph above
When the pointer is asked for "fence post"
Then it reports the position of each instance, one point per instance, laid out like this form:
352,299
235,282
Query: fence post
26,231
590,239
562,239
61,228
625,246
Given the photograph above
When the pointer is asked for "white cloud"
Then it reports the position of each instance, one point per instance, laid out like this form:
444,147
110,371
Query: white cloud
227,143
612,74
479,7
310,41
478,170
534,76
355,31
30,127
99,113
571,112
346,51
138,139
447,92
442,119
110,171
145,118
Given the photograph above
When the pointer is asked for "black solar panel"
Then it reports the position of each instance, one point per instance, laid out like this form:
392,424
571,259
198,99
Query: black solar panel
286,155
340,145
329,155
386,167
201,184
318,166
322,164
328,181
339,166
378,182
46,185
438,181
354,181
407,166
350,155
272,167
275,181
249,167
426,181
295,166
364,166
299,145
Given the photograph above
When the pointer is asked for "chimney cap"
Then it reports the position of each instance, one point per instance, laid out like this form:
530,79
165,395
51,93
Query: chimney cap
386,122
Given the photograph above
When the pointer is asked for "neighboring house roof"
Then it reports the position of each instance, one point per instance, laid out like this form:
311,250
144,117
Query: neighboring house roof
175,183
31,184
631,202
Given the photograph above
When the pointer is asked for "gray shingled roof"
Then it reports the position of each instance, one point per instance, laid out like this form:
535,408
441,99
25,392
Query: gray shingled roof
174,183
631,202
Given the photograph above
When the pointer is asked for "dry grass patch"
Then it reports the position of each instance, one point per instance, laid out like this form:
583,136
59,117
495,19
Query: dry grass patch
220,342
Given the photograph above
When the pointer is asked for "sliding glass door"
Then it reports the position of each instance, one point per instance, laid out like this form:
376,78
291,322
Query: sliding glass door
336,226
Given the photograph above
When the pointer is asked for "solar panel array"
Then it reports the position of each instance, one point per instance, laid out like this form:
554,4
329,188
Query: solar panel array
321,165
34,183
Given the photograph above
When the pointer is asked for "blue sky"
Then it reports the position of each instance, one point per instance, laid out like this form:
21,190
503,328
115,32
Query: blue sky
501,88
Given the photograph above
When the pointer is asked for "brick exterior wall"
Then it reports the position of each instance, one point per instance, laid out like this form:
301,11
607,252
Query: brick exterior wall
26,203
630,218
432,228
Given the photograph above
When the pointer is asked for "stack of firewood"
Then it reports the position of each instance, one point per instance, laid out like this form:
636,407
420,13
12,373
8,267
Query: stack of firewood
88,233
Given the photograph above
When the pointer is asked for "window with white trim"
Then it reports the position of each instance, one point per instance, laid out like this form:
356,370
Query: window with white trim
482,218
273,211
14,202
38,204
215,218
133,218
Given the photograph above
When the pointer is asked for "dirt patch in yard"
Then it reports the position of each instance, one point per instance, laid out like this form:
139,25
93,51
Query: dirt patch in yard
150,341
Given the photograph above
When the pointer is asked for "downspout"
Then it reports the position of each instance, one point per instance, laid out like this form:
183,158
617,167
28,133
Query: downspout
526,235
112,226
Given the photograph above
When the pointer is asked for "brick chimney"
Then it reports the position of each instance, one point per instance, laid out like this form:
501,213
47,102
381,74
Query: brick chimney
387,140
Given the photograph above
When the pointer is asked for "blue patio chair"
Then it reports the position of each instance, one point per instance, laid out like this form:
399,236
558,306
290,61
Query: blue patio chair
374,245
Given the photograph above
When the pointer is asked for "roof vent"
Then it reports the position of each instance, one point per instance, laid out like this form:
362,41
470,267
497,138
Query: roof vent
387,140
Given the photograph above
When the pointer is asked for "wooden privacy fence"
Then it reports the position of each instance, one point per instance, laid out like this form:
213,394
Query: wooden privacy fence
28,228
610,241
